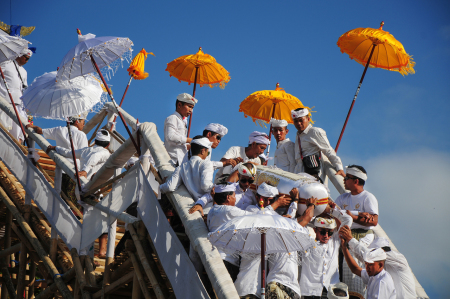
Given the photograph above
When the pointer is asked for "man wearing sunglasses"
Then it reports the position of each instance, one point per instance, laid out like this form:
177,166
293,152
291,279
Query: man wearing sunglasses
319,272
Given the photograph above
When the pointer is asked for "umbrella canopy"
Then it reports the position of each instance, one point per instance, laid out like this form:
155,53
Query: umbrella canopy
266,104
389,53
209,71
11,47
48,98
105,50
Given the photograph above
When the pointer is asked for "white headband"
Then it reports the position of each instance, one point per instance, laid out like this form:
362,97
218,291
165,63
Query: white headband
132,161
187,98
356,172
244,170
217,128
374,256
224,188
26,52
278,123
203,142
300,113
267,190
258,137
378,243
325,223
101,137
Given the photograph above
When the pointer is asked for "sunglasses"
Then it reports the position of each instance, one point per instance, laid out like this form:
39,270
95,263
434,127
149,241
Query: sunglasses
218,137
349,178
324,232
247,180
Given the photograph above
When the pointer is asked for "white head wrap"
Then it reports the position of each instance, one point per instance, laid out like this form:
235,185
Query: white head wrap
79,116
82,38
258,137
187,98
356,172
224,188
374,255
217,128
101,137
26,52
203,142
265,157
244,170
132,161
300,113
325,223
339,285
379,242
267,190
278,123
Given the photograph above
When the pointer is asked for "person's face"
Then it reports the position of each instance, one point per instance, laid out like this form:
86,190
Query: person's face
185,109
349,182
80,124
215,139
279,133
22,60
323,235
301,123
257,149
267,200
232,199
245,181
374,268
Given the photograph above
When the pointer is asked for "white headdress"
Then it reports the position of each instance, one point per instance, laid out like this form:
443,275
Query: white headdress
26,52
379,242
217,128
356,172
79,116
339,285
132,161
278,123
187,98
244,170
299,113
101,137
203,142
374,255
224,188
258,137
325,223
267,190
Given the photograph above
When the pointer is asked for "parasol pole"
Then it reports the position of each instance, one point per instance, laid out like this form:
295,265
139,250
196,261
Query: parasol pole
193,95
115,105
354,98
270,133
263,266
74,157
123,97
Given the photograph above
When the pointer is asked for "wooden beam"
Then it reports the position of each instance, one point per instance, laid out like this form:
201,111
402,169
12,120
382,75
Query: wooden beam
23,260
118,283
10,250
90,270
6,244
79,272
32,280
140,277
6,278
119,272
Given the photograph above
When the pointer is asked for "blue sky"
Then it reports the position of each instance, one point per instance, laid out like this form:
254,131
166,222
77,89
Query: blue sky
398,128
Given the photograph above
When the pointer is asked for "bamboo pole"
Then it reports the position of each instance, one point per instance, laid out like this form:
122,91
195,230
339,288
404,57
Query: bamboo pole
90,270
23,260
108,289
138,274
6,244
32,279
54,249
71,205
79,273
136,293
151,276
121,270
36,245
7,282
8,251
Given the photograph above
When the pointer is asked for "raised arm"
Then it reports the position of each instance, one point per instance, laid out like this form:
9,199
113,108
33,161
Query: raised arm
173,183
309,212
349,259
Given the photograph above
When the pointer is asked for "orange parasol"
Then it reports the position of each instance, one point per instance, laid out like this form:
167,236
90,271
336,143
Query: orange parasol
263,105
374,48
199,68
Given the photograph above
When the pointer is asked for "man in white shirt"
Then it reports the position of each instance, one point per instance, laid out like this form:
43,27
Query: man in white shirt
257,144
310,144
379,282
396,264
175,128
16,78
362,206
318,272
285,152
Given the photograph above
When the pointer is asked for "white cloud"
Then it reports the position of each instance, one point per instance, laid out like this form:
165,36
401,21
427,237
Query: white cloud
413,190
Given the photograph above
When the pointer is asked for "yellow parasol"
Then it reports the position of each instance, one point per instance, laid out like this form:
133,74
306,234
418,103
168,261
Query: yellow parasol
374,48
266,104
199,68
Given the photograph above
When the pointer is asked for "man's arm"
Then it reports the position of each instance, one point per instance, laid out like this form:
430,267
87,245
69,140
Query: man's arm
200,203
309,213
206,176
324,145
364,218
66,152
173,183
171,132
290,151
349,259
356,248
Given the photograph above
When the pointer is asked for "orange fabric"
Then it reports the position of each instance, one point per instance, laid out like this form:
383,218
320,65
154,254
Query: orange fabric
136,69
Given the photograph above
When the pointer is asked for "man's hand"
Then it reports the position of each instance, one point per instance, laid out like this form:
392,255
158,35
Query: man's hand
287,216
83,173
311,201
345,233
195,209
366,217
35,128
294,194
283,201
231,162
213,191
354,217
238,160
188,140
341,173
50,148
188,146
342,242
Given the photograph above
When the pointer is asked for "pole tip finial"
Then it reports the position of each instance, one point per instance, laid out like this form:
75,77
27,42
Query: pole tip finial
278,84
200,48
381,25
78,31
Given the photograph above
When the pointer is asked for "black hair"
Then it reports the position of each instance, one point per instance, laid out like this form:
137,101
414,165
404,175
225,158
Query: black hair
221,198
262,160
102,143
361,182
196,148
340,292
182,103
72,121
205,133
386,248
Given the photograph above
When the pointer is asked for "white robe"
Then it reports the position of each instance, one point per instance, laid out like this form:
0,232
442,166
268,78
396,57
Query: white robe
175,133
285,155
380,286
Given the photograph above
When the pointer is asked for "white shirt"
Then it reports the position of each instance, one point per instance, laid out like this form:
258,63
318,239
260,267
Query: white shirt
285,155
15,83
235,152
283,268
91,158
196,174
396,265
61,136
314,141
380,286
321,271
216,164
175,133
243,198
220,214
363,202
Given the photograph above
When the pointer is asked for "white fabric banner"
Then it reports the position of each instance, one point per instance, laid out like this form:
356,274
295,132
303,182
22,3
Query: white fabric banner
55,209
171,253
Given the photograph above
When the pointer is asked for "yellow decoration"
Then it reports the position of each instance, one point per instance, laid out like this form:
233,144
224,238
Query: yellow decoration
136,69
261,104
209,71
24,31
389,53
